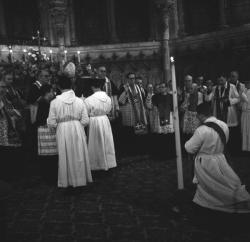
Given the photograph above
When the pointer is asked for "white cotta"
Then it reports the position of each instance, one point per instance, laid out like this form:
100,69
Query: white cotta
100,138
245,123
68,115
218,186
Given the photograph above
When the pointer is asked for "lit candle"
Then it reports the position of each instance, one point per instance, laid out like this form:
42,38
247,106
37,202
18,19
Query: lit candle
50,52
11,55
78,55
24,54
176,127
65,55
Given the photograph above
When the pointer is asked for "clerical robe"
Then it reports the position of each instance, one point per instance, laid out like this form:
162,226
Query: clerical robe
245,122
100,139
218,186
68,115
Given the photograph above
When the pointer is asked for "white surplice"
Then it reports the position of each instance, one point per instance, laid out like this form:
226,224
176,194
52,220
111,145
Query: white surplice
100,137
68,115
218,187
245,122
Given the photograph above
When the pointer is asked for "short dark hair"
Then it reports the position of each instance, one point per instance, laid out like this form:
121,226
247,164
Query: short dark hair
222,74
97,82
46,88
163,83
205,109
8,71
130,73
64,82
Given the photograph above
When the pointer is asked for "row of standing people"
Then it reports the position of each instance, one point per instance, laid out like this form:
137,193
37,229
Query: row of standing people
229,100
100,149
68,115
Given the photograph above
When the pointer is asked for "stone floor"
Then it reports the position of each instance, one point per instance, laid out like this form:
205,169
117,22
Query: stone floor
131,204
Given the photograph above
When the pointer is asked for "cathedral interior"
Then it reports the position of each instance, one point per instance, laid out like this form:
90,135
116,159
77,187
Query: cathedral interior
139,200
203,36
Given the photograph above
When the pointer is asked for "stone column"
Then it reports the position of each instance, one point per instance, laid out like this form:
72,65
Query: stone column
223,19
43,9
58,13
165,46
67,30
166,6
111,21
180,8
152,22
72,22
174,15
3,32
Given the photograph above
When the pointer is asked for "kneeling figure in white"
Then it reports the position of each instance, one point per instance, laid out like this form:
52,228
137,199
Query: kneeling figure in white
218,186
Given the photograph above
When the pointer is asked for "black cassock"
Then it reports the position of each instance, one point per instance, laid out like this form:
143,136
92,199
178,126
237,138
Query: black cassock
83,87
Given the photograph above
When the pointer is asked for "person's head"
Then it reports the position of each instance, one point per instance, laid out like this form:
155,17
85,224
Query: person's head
170,85
64,82
7,77
97,84
3,88
157,88
209,85
234,76
163,88
221,79
102,72
43,76
150,88
188,81
131,78
139,81
200,80
47,92
88,67
204,111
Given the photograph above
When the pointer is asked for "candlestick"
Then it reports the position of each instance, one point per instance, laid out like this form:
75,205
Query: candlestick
176,127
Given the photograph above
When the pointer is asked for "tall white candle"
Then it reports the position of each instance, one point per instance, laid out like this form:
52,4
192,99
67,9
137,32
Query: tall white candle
50,55
78,55
177,127
65,56
11,55
24,53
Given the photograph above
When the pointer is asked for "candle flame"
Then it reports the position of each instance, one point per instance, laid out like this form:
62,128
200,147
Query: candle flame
172,59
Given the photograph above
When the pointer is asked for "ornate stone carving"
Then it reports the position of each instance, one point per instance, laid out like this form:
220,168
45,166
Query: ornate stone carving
58,12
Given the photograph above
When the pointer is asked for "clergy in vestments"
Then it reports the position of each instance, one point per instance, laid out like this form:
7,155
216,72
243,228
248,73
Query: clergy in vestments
245,120
33,97
225,99
164,133
68,115
111,90
218,186
100,138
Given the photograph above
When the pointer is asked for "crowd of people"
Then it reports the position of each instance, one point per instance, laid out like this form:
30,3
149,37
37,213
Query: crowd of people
75,120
